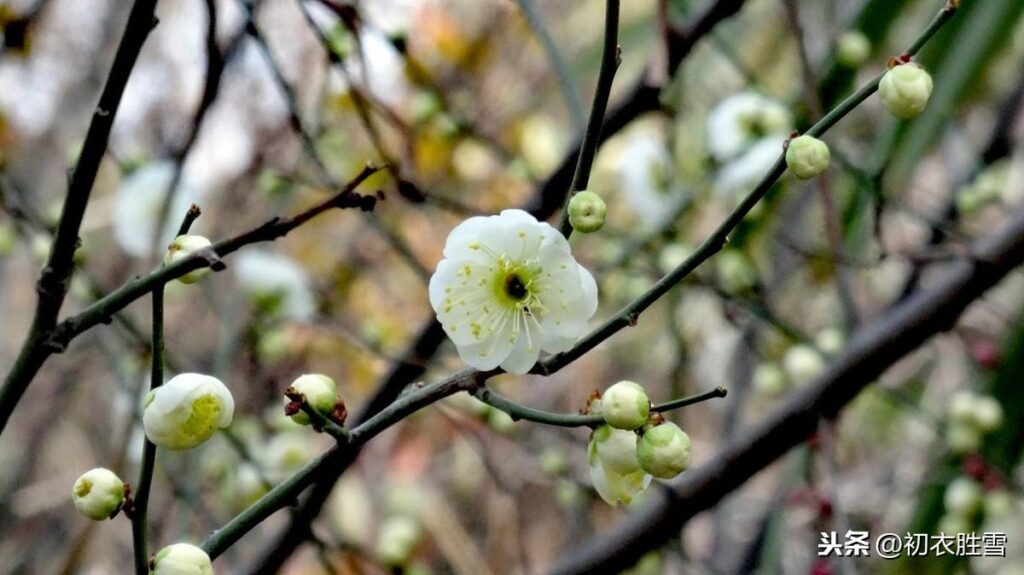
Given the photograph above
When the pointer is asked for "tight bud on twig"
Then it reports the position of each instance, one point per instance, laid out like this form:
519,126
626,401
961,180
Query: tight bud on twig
183,247
664,450
320,392
587,212
905,89
98,494
807,157
182,559
625,405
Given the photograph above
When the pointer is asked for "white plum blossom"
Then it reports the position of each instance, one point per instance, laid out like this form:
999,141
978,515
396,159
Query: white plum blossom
509,288
645,173
186,411
98,493
277,283
743,119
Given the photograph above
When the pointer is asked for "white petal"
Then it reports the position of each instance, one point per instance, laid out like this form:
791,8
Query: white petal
486,355
524,355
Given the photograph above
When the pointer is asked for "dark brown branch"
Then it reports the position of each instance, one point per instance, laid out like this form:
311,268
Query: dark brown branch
873,349
56,275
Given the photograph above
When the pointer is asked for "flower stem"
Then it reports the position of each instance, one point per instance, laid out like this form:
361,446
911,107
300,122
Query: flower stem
140,501
518,411
592,137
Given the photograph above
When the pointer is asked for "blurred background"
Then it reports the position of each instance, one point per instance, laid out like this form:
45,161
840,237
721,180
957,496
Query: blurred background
474,103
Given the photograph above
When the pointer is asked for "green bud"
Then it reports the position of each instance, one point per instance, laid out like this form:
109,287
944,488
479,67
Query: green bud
769,380
664,450
853,49
98,493
320,392
807,157
182,248
625,405
905,90
587,211
397,539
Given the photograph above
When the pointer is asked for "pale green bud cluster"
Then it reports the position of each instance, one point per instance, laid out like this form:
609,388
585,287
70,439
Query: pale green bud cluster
98,493
587,212
183,247
905,90
625,406
807,157
321,394
614,468
182,559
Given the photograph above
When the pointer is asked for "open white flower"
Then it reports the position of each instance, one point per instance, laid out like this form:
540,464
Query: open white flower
509,288
742,120
186,411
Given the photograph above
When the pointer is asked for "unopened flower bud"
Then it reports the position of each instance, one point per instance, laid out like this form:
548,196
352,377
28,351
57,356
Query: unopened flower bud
587,212
807,157
320,392
830,340
905,90
98,493
998,503
616,448
664,450
853,49
184,247
803,363
186,411
397,539
962,437
963,497
614,468
182,559
769,380
625,405
988,413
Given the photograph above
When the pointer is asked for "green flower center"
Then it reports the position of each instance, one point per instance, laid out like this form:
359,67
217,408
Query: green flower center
202,422
83,487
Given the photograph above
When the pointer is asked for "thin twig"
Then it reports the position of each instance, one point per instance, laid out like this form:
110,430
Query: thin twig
521,412
610,58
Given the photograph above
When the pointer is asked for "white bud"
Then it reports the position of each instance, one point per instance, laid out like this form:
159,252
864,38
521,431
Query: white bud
664,450
587,212
770,380
397,539
807,157
963,497
182,559
988,413
961,406
803,363
184,247
186,411
98,493
998,503
735,271
905,90
962,437
830,340
320,392
614,468
853,49
615,448
625,405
